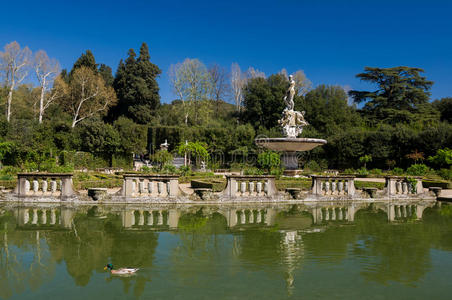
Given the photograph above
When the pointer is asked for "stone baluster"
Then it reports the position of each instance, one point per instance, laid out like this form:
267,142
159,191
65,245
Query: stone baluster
34,219
327,187
150,218
327,214
150,187
398,187
35,186
27,186
266,184
346,187
53,185
404,188
168,188
251,187
333,214
340,187
259,187
333,187
44,185
242,187
160,187
339,214
159,218
258,216
52,217
141,186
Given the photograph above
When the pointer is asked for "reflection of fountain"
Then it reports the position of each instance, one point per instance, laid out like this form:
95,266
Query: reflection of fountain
292,253
292,123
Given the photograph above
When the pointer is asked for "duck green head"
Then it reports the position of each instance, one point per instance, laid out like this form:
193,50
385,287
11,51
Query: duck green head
108,266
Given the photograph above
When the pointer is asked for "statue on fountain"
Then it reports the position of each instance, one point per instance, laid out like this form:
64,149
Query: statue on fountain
292,121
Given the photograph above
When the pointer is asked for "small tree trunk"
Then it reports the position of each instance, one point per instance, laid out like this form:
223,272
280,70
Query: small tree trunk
8,108
41,105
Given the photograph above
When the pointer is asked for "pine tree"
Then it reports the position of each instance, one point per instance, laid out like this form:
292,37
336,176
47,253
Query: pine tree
87,60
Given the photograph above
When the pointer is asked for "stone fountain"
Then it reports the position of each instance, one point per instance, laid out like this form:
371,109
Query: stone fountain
292,123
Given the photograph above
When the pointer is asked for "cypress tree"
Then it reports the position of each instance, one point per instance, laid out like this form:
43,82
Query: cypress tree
136,87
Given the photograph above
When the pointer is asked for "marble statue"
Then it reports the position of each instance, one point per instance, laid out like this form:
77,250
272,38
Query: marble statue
288,98
292,121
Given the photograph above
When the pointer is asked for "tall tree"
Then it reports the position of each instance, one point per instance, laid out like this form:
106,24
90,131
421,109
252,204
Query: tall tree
46,71
87,95
219,83
191,83
85,60
136,86
238,81
14,65
106,73
263,100
398,89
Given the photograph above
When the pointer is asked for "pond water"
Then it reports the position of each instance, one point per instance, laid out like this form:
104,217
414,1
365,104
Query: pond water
226,252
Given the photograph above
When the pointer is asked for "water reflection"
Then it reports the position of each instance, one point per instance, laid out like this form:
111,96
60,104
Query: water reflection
386,242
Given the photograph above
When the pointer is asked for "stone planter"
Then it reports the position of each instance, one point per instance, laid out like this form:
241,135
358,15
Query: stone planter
370,191
294,192
97,193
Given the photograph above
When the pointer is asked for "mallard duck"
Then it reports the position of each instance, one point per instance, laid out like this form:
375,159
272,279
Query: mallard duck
121,271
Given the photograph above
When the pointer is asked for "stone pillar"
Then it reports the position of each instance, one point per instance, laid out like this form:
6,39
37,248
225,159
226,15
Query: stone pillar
66,187
259,187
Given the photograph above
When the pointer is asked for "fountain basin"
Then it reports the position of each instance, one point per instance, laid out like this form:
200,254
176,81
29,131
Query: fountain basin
289,144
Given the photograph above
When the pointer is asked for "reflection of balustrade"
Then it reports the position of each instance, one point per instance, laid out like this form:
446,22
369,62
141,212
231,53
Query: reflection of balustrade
246,185
146,218
333,185
37,216
37,184
251,216
404,211
136,185
399,185
334,214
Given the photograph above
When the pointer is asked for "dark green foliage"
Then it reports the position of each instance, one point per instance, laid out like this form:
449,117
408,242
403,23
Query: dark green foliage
106,73
136,87
400,91
263,101
444,106
133,137
85,60
99,138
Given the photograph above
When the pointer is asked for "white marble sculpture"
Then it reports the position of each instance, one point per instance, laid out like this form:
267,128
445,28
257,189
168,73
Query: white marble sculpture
292,121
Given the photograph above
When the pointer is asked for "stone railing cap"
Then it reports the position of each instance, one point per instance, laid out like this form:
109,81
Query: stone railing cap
151,175
45,174
403,177
333,177
250,176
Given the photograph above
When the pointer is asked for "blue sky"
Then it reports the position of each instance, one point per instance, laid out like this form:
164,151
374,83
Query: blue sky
331,41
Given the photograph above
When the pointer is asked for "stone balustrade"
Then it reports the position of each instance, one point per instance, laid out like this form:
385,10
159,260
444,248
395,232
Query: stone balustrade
333,185
44,184
251,216
250,186
400,185
138,185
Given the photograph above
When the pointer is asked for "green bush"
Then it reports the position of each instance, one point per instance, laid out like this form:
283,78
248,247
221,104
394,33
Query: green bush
313,166
185,171
253,171
446,173
398,171
268,160
376,172
418,170
362,171
349,171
